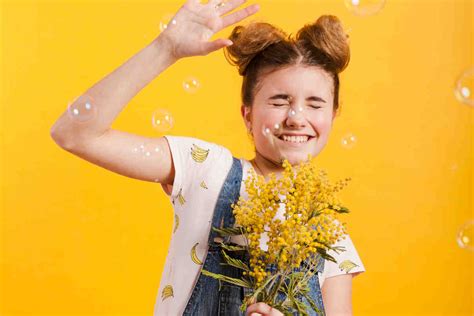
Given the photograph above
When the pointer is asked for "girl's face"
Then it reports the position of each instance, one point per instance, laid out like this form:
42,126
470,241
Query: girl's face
308,91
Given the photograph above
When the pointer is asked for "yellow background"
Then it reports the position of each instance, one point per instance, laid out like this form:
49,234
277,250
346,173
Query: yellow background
77,239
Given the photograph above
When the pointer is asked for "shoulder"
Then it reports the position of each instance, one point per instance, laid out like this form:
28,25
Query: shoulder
348,260
192,143
194,159
199,151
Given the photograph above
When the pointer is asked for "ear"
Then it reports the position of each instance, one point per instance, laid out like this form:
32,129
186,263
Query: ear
246,115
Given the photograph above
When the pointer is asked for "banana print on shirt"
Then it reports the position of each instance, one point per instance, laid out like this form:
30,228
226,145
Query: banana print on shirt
181,199
194,256
347,265
199,154
167,292
176,219
196,189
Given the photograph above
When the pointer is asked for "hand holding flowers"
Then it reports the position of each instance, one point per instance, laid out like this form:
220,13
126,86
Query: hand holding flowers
297,243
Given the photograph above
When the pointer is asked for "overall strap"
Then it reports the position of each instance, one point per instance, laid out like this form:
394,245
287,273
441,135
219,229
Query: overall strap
230,192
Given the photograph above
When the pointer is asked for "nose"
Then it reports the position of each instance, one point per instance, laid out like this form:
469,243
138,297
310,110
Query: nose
295,118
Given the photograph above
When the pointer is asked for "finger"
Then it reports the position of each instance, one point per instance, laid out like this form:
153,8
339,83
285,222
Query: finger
229,6
214,2
215,45
259,308
194,1
239,15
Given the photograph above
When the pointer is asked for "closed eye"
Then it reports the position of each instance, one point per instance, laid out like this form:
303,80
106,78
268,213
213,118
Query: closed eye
313,106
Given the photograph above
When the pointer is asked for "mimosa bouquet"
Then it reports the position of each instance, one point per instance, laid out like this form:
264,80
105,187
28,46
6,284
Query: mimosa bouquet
310,229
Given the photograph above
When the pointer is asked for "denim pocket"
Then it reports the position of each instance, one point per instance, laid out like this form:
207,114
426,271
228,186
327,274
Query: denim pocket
230,299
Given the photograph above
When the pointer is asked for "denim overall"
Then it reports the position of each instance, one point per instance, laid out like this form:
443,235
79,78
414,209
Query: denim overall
210,298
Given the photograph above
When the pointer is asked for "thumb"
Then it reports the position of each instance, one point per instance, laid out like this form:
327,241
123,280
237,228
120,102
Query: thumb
217,44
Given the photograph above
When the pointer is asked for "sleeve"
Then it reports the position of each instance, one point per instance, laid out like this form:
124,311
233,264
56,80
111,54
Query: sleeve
192,158
348,261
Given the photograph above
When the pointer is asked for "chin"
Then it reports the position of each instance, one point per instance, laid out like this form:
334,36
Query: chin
297,158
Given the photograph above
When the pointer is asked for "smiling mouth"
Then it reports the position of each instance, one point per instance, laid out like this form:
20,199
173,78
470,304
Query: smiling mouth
295,139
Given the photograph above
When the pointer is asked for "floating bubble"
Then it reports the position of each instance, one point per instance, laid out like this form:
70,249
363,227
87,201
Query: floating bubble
207,35
162,120
82,109
464,88
191,85
147,150
167,20
349,141
364,7
271,132
295,110
454,167
465,235
348,31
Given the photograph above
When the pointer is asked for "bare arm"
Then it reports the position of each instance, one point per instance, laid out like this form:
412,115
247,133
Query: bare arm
337,295
112,93
96,142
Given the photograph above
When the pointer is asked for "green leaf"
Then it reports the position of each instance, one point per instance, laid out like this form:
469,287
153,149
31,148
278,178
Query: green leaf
235,262
315,213
295,278
229,231
301,307
273,291
342,210
338,248
262,287
324,254
312,303
294,303
233,248
335,248
239,282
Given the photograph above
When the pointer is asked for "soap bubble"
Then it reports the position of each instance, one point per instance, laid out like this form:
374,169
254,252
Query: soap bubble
465,235
167,20
295,110
271,132
162,120
364,7
349,141
82,109
464,88
454,167
191,85
147,150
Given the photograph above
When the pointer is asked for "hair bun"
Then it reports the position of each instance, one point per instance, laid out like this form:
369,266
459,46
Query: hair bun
327,36
249,41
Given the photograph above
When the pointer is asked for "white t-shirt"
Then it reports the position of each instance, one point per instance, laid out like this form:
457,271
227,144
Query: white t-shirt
201,168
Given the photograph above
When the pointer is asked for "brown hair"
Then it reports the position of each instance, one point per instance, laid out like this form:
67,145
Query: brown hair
260,47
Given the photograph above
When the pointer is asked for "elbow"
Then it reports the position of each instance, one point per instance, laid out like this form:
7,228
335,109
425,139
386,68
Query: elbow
60,139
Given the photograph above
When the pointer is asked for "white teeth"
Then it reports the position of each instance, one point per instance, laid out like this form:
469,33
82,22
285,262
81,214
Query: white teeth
295,139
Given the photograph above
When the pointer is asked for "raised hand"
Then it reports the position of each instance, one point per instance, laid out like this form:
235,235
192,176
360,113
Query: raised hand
190,29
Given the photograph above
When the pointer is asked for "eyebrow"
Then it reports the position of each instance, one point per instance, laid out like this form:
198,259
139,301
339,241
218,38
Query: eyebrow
287,97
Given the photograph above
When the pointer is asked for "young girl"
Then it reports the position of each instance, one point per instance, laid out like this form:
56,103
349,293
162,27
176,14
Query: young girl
291,82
